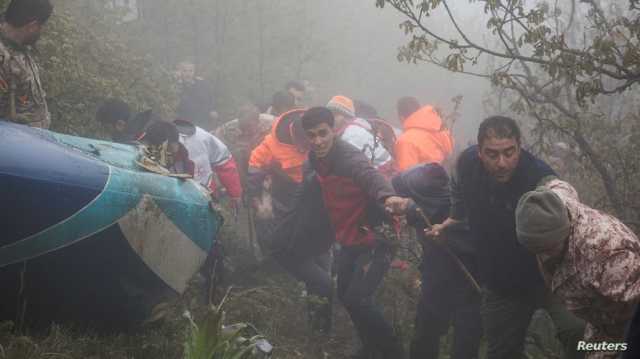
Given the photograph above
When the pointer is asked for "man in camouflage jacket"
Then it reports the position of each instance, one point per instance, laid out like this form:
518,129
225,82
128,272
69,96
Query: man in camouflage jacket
589,259
244,134
22,97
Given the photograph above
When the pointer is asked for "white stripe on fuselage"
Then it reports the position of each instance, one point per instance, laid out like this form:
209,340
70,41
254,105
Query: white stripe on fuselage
163,247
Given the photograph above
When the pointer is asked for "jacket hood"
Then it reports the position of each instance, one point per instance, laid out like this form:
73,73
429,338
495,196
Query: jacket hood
185,127
427,185
287,129
425,118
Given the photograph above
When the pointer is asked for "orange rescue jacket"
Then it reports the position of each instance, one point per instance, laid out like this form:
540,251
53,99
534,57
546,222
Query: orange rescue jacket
274,151
424,140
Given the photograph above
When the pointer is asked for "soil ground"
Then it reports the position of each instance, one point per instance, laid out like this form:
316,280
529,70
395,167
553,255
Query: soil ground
261,294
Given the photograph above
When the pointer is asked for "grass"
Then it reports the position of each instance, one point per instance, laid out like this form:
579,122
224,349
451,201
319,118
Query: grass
212,339
262,295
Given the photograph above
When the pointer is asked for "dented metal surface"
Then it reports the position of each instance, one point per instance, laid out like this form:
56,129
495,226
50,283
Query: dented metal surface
64,189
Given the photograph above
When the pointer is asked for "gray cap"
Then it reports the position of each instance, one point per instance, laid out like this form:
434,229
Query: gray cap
542,220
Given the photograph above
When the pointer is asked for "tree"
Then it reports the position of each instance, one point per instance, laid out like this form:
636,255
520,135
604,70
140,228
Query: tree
247,49
83,62
571,68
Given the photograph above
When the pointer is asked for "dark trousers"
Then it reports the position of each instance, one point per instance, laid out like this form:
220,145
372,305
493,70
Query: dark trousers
315,273
360,271
632,337
456,303
506,320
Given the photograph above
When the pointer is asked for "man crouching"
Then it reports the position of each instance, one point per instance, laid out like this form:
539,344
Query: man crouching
590,259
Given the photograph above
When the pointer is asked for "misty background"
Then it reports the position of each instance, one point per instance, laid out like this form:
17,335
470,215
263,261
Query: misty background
250,49
92,50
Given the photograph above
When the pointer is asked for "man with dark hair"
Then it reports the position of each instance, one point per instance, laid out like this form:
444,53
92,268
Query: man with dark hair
160,132
22,97
288,99
197,103
115,115
282,102
356,197
499,127
114,111
407,106
164,147
490,179
296,89
424,139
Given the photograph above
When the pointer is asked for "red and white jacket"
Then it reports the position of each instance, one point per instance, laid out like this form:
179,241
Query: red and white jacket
210,157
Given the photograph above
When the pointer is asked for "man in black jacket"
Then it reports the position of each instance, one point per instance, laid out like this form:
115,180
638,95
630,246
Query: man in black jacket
490,179
115,115
197,104
447,295
356,197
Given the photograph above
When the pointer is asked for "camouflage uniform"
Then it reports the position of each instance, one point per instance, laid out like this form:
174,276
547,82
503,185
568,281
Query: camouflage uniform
22,97
598,277
231,134
240,144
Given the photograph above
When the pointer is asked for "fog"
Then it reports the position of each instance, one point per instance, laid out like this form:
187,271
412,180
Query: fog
372,71
155,155
252,48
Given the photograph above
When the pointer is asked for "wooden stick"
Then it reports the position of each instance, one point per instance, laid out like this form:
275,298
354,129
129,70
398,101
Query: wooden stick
454,257
252,232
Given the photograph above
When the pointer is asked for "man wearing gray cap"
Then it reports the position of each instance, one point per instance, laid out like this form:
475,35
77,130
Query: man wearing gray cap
589,259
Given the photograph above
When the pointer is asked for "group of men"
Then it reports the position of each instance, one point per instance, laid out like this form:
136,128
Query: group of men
502,236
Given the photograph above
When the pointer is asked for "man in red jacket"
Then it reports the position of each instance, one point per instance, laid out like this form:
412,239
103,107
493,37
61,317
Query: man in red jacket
356,197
